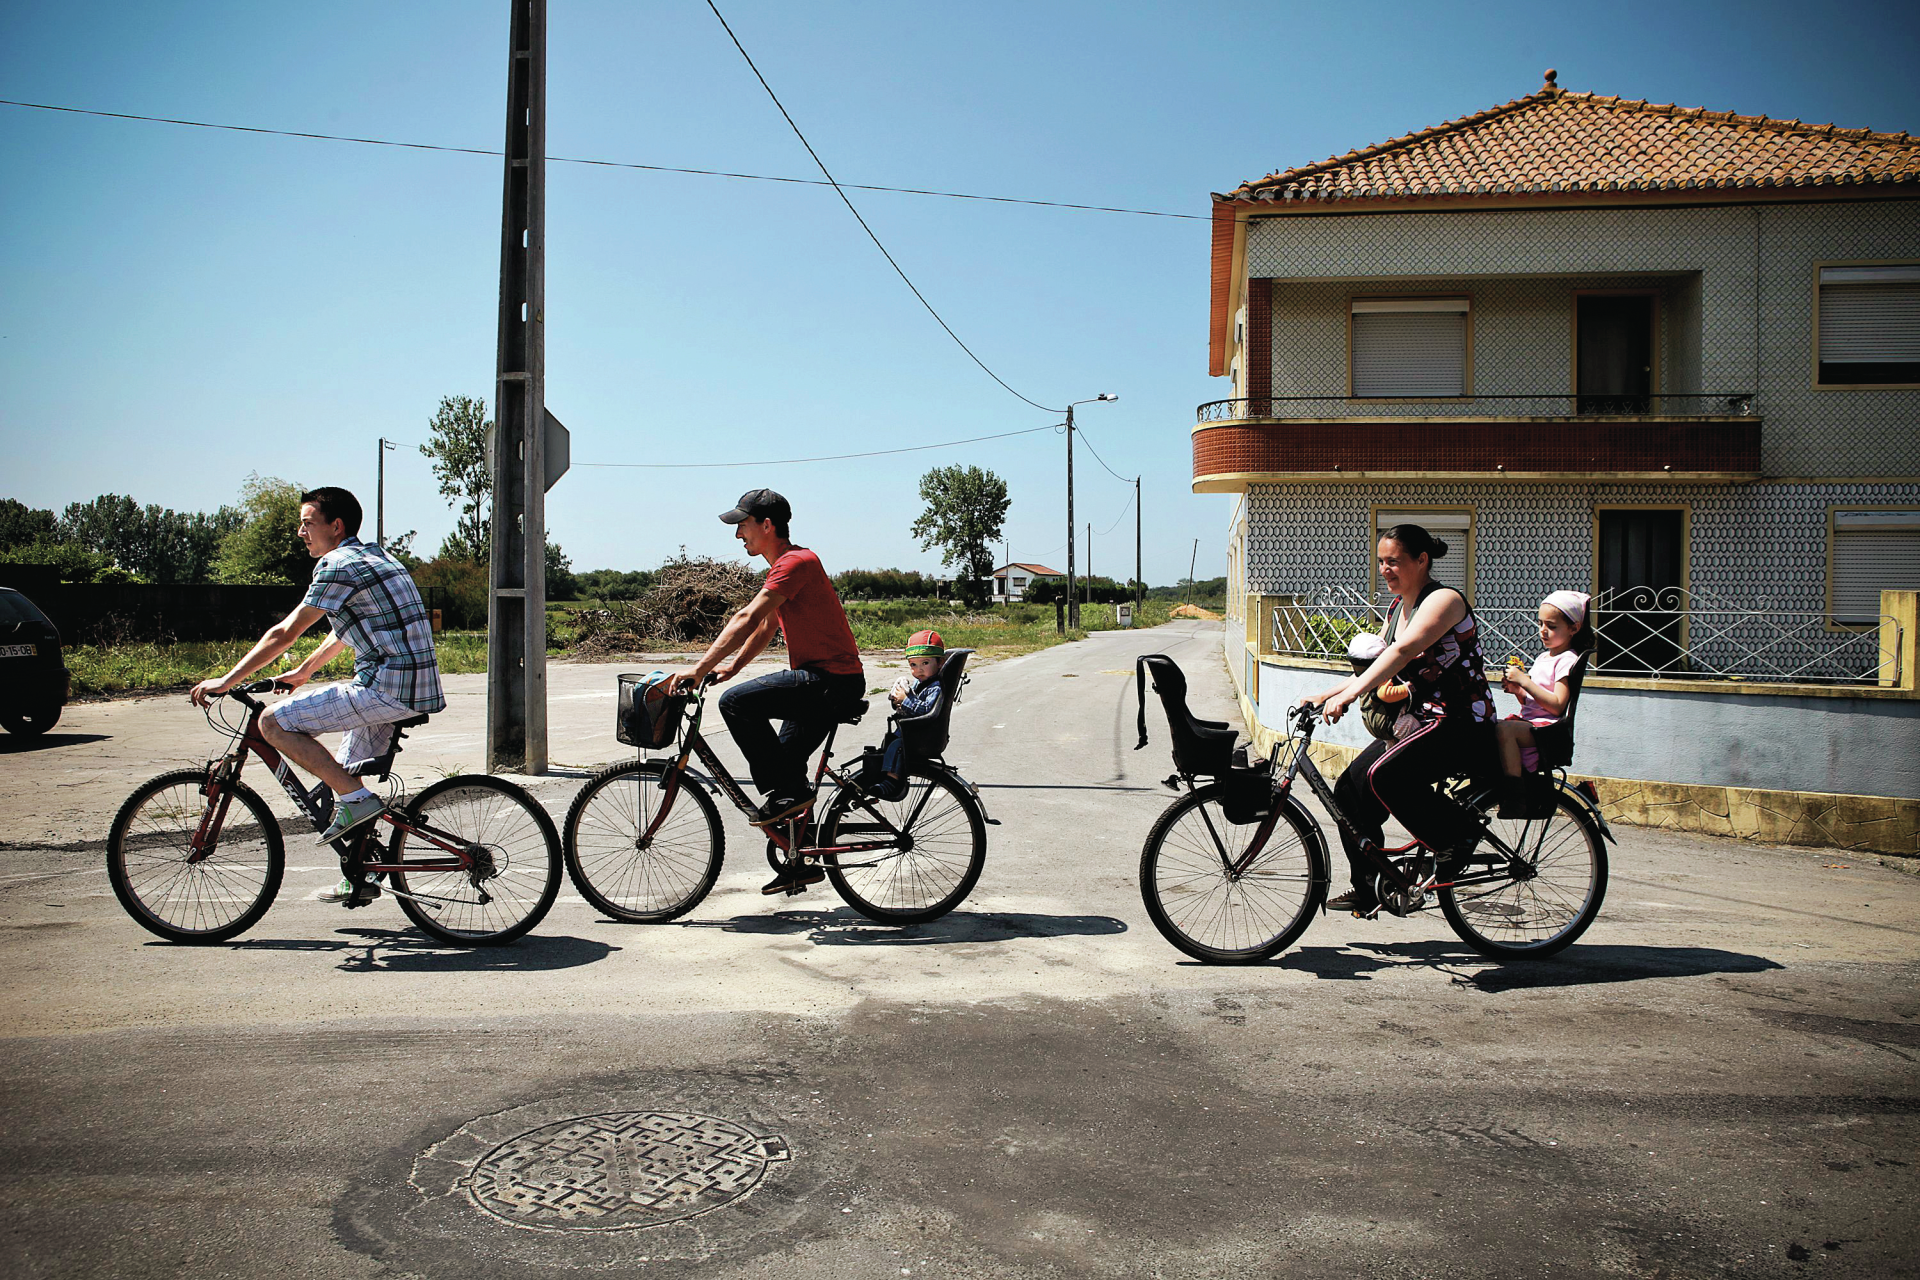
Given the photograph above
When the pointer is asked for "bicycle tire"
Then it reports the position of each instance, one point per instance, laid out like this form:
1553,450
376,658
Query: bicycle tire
947,849
216,898
521,877
1211,916
1530,917
614,874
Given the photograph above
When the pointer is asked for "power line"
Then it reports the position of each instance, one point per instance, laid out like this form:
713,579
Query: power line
605,164
1117,519
784,462
863,222
1102,461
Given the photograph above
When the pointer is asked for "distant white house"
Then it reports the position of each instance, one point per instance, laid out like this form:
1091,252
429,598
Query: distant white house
1010,581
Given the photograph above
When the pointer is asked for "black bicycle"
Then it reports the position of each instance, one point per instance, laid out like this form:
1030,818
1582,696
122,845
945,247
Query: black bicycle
644,842
1233,871
196,856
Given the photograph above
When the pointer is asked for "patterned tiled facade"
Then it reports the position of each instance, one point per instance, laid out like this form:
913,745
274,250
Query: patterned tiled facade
1737,299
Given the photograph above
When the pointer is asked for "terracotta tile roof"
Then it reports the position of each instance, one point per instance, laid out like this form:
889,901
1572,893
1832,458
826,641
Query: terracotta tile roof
1554,141
1037,570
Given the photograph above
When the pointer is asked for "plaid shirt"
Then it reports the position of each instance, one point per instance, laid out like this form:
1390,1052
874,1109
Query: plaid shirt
375,608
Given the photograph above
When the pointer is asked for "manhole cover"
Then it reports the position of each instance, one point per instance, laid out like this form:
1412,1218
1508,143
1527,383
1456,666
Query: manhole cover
622,1170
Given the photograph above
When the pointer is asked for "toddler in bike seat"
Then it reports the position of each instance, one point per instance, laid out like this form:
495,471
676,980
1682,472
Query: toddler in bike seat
1544,691
915,693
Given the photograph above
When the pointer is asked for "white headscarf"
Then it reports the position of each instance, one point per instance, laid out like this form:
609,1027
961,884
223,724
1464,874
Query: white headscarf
1571,603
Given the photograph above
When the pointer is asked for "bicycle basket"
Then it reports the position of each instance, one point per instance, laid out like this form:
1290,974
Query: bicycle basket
647,715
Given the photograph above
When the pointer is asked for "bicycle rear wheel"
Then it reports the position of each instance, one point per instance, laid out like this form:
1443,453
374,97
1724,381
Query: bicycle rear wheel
516,862
621,870
1538,904
150,859
1213,915
928,869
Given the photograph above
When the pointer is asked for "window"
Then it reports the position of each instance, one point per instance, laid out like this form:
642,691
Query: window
1455,528
1409,347
1869,326
1872,551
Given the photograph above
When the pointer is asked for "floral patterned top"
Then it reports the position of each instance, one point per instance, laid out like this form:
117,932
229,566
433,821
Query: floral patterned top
1450,677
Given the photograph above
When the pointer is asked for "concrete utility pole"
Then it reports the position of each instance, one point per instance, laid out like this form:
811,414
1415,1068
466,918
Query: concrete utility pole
524,433
1073,605
1139,584
380,495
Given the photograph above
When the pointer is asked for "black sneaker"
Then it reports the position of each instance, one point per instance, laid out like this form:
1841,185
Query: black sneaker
779,809
794,877
1355,901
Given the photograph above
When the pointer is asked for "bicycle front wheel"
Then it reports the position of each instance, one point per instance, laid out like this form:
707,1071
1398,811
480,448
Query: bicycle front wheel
927,869
1544,897
211,897
515,862
625,872
1198,902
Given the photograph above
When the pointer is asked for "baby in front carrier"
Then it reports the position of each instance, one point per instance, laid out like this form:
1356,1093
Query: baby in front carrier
1544,691
913,694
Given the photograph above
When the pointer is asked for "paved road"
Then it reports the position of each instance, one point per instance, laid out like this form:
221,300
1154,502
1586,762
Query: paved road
1719,1080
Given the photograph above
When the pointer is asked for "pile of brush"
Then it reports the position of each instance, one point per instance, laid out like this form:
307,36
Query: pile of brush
690,600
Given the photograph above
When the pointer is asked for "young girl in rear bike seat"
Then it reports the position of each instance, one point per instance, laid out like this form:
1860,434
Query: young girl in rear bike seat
1544,691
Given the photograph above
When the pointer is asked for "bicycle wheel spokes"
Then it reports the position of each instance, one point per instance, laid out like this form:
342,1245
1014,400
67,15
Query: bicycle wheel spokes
151,862
1206,910
927,870
515,854
626,873
1548,902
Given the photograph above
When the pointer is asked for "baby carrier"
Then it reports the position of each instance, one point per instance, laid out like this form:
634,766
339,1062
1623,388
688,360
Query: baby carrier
921,737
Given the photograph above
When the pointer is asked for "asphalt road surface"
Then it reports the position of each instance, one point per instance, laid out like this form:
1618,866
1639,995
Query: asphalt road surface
1718,1080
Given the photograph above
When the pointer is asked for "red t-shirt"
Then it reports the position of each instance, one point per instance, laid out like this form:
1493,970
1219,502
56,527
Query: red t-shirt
814,622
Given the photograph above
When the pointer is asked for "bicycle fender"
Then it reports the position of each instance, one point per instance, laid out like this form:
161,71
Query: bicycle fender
1593,810
971,790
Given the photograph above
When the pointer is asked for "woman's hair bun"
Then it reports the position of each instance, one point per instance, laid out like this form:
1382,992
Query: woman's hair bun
1416,540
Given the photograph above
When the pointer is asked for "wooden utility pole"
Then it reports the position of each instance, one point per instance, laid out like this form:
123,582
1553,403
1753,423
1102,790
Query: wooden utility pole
1139,583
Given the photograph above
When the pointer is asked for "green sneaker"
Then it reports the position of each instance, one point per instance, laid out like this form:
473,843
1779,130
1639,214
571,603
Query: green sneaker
350,816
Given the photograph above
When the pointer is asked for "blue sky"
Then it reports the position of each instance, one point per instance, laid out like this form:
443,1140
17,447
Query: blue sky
181,307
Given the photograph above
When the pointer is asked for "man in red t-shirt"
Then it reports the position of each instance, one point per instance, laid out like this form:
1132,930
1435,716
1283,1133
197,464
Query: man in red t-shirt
824,675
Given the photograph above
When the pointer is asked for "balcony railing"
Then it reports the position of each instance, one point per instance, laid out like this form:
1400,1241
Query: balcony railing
1639,633
1691,404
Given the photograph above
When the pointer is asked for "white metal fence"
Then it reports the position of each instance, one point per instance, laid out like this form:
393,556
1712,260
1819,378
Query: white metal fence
1639,632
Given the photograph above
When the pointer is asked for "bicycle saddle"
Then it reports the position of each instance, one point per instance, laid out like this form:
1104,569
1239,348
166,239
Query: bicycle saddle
381,765
853,712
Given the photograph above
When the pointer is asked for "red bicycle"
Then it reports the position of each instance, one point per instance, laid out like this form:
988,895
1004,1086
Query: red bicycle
196,856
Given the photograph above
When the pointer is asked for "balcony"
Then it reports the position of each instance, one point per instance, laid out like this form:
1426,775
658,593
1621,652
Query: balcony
1689,437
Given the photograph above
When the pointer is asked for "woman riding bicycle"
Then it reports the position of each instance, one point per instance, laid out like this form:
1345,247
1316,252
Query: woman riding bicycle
1432,642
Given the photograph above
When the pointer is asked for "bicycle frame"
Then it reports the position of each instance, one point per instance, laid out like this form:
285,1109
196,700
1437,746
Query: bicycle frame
1401,878
793,841
225,771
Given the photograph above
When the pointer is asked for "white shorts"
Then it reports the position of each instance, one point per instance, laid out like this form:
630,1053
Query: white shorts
365,716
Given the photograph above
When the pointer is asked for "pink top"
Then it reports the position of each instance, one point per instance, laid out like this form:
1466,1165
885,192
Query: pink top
1548,670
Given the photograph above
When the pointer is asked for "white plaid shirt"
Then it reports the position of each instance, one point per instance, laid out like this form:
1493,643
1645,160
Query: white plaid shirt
375,608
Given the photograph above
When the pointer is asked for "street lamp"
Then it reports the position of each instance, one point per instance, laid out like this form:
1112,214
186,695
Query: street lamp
1073,607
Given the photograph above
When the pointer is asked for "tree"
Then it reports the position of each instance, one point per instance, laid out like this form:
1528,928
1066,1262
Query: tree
457,446
267,547
561,584
966,510
21,524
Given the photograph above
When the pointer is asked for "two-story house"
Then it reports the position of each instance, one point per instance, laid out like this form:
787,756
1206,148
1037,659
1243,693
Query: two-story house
1593,343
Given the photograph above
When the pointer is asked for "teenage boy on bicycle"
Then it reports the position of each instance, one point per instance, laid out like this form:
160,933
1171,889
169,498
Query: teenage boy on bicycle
375,609
824,675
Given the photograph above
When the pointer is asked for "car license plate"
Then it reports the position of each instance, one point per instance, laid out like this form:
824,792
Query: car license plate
17,651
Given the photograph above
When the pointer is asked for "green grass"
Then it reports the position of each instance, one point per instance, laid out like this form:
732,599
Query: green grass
1002,631
154,667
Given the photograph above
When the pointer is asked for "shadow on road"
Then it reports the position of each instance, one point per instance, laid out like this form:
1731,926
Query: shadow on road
368,950
844,927
1577,966
13,743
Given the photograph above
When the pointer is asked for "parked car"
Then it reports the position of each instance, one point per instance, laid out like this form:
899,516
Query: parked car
33,675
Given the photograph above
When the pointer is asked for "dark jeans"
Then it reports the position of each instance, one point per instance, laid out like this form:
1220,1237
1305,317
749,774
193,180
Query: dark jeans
806,702
1403,778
